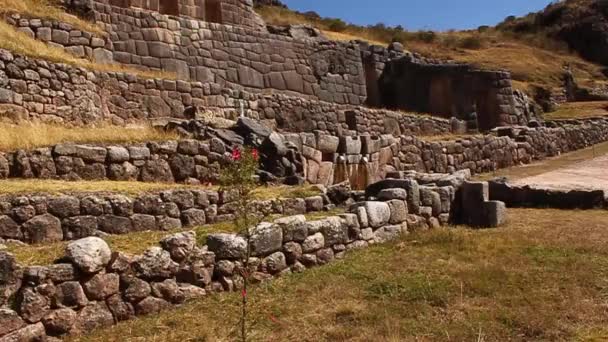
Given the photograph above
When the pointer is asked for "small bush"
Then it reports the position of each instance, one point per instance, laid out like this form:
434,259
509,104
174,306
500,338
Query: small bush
426,36
336,25
471,43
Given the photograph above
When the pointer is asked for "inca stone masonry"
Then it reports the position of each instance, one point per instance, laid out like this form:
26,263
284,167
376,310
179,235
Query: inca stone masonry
213,46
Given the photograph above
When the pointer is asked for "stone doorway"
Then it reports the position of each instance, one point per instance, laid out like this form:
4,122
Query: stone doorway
213,11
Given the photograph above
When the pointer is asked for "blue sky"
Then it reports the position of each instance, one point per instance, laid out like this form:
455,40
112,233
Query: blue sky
420,14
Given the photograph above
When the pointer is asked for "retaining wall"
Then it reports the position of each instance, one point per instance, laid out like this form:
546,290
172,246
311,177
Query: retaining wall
42,218
317,157
79,294
34,90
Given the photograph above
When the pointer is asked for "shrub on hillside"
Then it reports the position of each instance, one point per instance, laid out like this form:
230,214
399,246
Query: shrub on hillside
471,42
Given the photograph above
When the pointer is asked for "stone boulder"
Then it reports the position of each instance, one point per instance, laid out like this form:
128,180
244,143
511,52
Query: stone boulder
227,246
266,238
90,255
179,245
155,263
378,213
42,229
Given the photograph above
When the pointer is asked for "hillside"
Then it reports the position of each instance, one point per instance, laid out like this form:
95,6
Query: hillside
581,24
534,60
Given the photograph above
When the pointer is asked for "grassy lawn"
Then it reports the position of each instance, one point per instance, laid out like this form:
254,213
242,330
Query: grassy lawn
133,243
544,277
547,165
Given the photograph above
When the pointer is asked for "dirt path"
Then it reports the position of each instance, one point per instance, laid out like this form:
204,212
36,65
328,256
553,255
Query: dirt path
587,175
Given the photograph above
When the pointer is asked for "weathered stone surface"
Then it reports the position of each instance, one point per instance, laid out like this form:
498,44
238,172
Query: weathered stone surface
294,228
136,290
387,233
10,276
32,332
79,227
391,194
93,316
42,229
10,321
292,251
334,231
227,246
90,254
169,291
179,245
313,243
102,286
274,263
378,213
120,309
59,322
9,229
151,305
59,273
155,263
398,211
194,217
266,238
65,206
32,305
70,294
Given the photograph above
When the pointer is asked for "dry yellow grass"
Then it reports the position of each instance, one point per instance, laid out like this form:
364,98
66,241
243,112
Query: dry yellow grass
47,9
540,278
21,186
579,110
28,136
20,43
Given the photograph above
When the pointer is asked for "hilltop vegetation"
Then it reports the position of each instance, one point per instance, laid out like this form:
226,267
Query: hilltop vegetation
535,60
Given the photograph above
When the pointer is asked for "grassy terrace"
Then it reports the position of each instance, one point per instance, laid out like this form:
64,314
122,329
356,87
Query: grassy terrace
549,164
579,110
133,243
18,42
33,135
532,280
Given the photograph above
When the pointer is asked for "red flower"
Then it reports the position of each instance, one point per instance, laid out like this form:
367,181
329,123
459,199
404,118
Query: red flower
236,154
255,154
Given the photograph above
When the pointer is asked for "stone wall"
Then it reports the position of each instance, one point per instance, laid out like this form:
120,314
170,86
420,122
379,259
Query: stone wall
44,218
316,157
231,56
228,12
80,293
399,79
525,196
43,91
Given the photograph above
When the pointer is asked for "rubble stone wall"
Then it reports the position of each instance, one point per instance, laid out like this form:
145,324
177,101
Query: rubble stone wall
317,157
80,293
44,218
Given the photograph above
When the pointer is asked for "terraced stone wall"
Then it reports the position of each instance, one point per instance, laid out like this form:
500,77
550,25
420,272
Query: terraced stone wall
44,218
92,287
34,90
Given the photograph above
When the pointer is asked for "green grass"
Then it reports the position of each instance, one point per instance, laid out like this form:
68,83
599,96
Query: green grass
544,277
